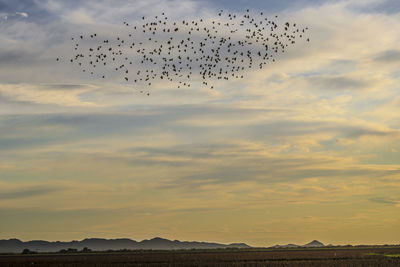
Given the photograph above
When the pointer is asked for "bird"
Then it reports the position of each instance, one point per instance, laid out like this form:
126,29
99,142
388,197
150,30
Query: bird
164,49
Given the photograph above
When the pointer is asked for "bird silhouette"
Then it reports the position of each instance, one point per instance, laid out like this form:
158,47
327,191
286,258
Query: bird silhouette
203,49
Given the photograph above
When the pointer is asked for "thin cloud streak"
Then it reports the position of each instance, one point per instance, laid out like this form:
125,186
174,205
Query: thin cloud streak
310,142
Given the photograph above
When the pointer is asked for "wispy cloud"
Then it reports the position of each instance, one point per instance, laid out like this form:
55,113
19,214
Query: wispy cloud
386,200
301,144
27,192
7,16
390,56
22,14
61,95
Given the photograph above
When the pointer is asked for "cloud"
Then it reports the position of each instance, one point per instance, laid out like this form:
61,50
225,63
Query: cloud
60,95
22,14
386,201
268,6
339,83
27,192
390,7
112,11
10,57
389,56
8,16
309,134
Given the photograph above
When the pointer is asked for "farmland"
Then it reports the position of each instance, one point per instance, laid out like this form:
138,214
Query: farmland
335,256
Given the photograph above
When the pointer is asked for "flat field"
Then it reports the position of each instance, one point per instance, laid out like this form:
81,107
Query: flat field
251,257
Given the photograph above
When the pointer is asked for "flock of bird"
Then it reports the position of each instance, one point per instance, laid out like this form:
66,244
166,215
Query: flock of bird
203,50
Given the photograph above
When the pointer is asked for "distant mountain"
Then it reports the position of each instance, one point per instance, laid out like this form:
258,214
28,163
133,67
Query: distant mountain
312,244
99,244
287,246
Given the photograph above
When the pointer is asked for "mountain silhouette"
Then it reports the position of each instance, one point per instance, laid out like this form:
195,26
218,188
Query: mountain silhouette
312,244
100,244
287,246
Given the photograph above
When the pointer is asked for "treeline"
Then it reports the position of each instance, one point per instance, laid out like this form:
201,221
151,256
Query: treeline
88,250
68,250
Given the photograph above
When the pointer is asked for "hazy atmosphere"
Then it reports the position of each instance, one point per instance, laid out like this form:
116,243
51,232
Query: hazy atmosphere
306,148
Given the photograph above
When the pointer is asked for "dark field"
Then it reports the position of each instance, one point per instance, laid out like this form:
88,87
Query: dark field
303,257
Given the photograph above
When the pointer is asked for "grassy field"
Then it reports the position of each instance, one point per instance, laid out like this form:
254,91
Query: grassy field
384,254
258,257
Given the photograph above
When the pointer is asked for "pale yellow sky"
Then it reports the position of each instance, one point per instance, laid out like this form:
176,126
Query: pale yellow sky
307,148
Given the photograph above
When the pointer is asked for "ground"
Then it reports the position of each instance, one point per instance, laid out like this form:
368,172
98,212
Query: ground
344,256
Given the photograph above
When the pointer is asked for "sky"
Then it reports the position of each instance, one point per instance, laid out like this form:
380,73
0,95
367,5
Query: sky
306,148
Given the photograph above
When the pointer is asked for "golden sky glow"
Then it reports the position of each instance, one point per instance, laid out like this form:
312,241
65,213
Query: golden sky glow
307,148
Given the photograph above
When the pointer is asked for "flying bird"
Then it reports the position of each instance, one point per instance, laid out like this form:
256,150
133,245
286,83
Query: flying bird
183,52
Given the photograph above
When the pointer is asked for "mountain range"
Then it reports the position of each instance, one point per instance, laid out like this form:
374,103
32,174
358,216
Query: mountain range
99,244
312,244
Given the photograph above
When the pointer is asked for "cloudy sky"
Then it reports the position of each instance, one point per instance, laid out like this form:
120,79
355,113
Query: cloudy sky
307,148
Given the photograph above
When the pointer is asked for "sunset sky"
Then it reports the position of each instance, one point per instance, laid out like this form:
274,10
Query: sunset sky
306,148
